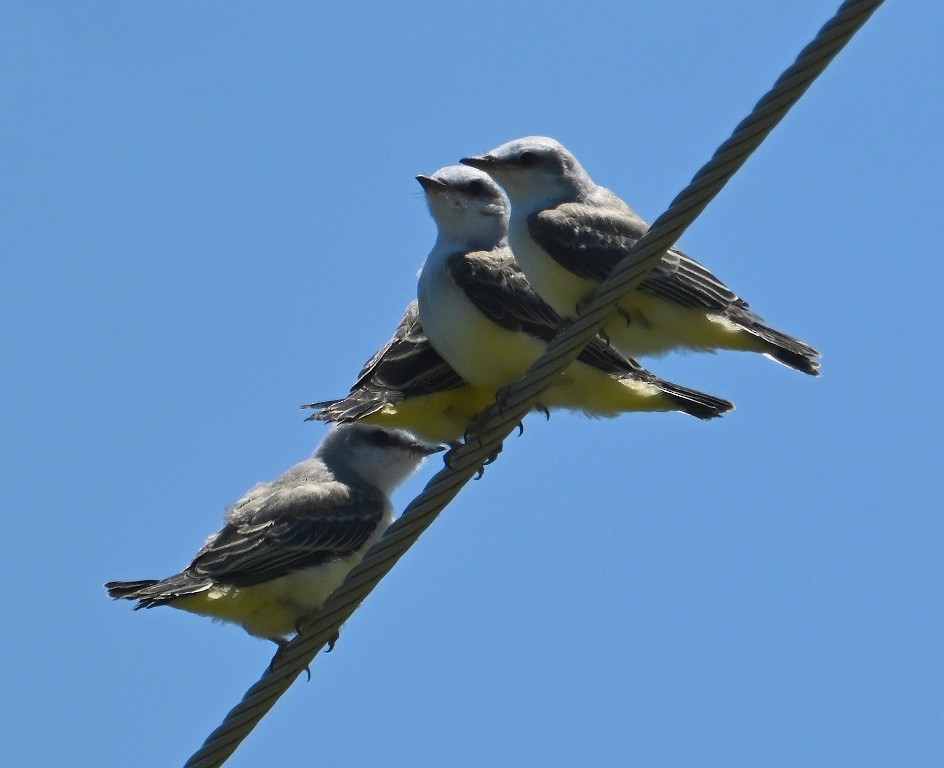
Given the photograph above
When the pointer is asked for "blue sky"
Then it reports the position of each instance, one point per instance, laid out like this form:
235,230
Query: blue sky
210,217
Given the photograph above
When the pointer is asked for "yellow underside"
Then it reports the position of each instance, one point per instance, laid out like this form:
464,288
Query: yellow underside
657,326
445,416
595,393
274,608
259,615
438,418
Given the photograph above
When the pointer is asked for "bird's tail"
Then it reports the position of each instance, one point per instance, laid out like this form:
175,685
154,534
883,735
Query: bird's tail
691,401
152,592
597,393
354,407
786,349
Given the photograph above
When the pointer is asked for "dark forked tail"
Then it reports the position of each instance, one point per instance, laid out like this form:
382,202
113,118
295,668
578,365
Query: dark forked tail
151,592
786,349
693,402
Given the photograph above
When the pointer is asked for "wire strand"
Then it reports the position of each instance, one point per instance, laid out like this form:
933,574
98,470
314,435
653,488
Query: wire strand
498,420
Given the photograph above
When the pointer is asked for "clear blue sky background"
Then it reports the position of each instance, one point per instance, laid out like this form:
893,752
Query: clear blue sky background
209,217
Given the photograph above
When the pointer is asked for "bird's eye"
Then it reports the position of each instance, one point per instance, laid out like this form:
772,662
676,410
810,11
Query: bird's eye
381,438
527,159
476,188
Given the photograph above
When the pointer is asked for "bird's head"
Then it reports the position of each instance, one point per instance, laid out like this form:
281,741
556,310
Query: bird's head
383,457
467,206
536,172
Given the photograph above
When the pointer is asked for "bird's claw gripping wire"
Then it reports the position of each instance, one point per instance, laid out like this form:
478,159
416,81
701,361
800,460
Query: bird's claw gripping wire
494,412
283,645
449,461
332,641
582,305
474,432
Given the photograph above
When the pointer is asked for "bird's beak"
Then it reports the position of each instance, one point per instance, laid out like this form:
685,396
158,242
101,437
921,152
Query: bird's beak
429,184
482,162
426,449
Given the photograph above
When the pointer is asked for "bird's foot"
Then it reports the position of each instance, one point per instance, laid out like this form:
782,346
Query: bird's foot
283,645
331,642
300,625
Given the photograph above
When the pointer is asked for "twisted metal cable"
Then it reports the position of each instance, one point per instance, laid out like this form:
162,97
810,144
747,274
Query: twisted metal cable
501,418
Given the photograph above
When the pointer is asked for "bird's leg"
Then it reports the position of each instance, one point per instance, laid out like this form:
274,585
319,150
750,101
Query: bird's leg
474,429
300,625
501,401
541,408
480,473
449,458
563,324
283,644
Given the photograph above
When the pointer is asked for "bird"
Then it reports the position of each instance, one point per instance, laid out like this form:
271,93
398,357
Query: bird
568,233
482,316
287,544
407,384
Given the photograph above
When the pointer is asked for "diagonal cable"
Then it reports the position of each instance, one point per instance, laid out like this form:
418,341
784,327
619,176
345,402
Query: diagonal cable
496,423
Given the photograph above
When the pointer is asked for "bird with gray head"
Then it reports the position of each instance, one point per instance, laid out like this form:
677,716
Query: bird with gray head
286,545
568,234
483,318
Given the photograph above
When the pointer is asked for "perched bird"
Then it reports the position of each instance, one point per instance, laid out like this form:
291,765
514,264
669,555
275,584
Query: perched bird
567,234
481,315
286,545
407,384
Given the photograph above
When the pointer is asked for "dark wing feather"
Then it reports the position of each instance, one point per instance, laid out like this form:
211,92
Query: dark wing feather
495,284
288,533
406,366
683,280
601,355
589,242
408,363
585,240
500,291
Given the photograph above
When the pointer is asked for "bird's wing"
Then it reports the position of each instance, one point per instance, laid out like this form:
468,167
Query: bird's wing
586,240
589,241
684,281
495,284
407,363
288,529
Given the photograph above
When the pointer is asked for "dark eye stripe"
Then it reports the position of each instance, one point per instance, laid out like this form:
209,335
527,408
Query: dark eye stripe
381,438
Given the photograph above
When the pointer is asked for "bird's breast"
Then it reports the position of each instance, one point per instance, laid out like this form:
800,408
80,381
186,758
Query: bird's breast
560,288
480,351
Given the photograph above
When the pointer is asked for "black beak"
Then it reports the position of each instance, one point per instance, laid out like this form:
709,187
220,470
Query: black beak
482,162
429,184
428,450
